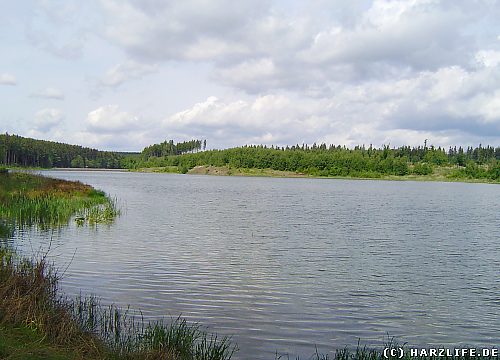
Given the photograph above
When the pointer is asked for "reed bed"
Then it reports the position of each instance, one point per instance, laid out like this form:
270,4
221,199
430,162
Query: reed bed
27,199
128,335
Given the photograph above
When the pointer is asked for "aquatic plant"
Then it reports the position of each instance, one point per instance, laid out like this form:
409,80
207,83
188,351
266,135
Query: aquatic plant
28,199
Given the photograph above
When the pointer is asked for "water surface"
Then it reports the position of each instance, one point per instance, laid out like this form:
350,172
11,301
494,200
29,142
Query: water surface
289,264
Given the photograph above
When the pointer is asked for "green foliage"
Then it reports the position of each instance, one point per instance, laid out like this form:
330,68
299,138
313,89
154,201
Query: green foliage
167,148
20,151
435,156
337,161
78,162
27,199
494,170
474,171
422,169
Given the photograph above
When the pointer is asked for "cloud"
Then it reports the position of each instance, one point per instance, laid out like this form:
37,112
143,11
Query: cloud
450,99
7,79
488,58
249,74
269,119
109,119
128,70
161,30
133,141
421,39
445,105
61,28
258,46
281,72
49,93
47,119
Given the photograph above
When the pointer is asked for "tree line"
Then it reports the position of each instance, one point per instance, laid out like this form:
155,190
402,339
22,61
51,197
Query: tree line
168,148
16,150
315,159
332,160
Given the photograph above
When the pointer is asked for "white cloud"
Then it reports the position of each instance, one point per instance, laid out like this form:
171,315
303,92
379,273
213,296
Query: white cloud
270,119
47,119
49,93
299,50
488,58
418,34
443,105
129,141
109,119
249,73
128,70
60,28
178,30
7,79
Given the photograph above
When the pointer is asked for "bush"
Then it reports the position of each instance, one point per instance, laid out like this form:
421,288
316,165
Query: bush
422,169
494,170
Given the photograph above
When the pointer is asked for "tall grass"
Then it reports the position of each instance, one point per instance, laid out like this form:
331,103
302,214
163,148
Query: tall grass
129,336
29,296
27,199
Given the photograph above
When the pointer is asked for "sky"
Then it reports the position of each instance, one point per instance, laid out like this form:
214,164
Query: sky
123,74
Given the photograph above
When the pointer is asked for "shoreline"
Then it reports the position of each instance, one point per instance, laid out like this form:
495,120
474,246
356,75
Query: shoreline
85,169
255,172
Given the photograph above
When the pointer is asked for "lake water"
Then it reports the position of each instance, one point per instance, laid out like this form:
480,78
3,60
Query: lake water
289,264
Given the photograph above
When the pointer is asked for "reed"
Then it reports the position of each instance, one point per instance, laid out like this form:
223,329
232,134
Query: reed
29,297
129,336
27,199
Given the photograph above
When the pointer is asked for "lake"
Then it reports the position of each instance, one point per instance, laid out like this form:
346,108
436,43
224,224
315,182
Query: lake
288,265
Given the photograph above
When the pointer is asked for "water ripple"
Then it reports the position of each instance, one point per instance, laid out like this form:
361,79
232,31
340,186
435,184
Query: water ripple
286,264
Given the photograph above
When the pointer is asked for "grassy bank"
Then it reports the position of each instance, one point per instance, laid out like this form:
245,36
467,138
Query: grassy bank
481,163
439,173
21,343
28,199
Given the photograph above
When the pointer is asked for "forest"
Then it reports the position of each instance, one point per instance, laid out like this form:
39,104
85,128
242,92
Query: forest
167,148
16,150
481,162
330,160
26,152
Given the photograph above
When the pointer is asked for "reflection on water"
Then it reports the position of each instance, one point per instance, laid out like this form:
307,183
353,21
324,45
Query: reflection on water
287,264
